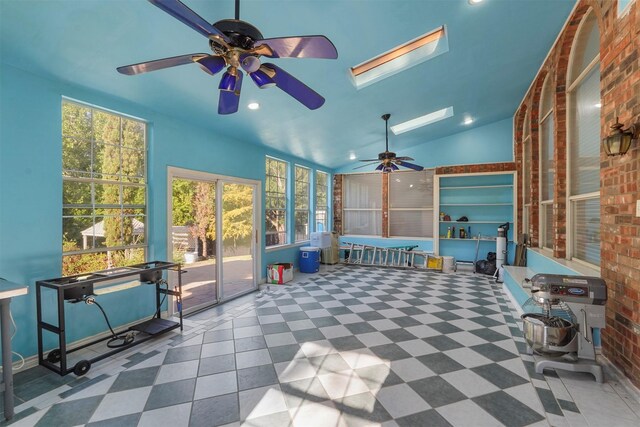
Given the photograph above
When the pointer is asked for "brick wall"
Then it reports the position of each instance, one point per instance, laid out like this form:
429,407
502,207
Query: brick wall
479,168
619,176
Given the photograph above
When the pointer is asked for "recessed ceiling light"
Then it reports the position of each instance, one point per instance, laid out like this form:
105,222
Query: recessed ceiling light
253,106
467,121
472,2
410,185
598,105
400,58
352,156
427,119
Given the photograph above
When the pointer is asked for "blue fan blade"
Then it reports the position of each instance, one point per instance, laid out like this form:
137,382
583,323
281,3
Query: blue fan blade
409,165
182,13
394,167
380,167
159,64
294,87
212,64
229,101
299,47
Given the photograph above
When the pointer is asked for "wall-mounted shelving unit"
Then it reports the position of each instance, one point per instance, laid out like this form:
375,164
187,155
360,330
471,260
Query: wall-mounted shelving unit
486,199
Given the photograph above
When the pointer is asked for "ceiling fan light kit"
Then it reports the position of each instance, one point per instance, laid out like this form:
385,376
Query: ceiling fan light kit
238,46
388,159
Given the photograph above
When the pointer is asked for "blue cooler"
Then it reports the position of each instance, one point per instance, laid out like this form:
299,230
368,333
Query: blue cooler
309,259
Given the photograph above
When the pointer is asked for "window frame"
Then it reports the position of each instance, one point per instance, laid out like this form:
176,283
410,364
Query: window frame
526,173
572,86
545,203
90,179
412,209
317,206
285,196
345,209
297,210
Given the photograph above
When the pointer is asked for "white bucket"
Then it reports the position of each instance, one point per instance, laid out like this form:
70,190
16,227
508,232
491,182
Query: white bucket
447,264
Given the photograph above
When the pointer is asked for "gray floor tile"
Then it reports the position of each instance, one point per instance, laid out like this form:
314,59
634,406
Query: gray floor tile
323,322
390,352
134,379
499,376
485,321
275,328
429,418
568,406
436,391
169,394
362,409
508,410
306,390
70,413
489,335
444,327
346,343
298,315
182,354
493,352
306,335
549,401
257,376
397,335
250,343
215,411
217,364
442,342
130,420
359,328
329,363
284,353
440,363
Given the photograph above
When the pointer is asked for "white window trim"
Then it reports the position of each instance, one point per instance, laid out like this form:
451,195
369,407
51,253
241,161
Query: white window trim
315,198
145,176
295,208
287,209
542,218
569,119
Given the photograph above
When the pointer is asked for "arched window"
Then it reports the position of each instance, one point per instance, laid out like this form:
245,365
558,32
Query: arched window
526,172
583,157
547,166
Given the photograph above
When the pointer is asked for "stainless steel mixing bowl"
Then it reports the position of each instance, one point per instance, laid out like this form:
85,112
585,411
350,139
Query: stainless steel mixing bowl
541,337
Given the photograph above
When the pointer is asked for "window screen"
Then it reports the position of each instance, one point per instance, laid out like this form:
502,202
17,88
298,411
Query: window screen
586,230
411,204
362,204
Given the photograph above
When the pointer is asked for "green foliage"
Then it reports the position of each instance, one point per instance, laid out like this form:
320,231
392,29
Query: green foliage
182,203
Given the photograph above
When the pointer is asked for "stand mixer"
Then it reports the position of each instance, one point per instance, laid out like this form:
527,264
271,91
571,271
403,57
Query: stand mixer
558,327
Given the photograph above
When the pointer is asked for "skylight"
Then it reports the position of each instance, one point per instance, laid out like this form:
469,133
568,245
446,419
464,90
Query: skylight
425,120
400,58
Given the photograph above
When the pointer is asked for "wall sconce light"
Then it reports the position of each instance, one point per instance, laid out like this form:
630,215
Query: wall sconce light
619,140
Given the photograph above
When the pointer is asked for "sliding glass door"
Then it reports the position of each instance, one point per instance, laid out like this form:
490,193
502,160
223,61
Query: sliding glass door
212,233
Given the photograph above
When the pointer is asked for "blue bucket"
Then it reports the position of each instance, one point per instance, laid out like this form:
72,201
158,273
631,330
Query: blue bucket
309,259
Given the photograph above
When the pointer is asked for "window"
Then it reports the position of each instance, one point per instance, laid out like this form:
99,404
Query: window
301,203
103,189
584,143
411,204
363,204
322,201
526,172
547,165
276,202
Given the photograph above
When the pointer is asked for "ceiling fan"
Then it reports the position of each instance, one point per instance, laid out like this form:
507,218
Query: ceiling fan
388,159
237,45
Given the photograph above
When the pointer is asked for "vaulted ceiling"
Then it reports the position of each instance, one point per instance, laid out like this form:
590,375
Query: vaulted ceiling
495,50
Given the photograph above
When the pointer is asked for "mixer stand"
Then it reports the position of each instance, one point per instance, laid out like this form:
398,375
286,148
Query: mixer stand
580,365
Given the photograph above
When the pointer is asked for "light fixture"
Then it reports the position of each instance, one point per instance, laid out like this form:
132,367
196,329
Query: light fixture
467,121
472,2
253,106
427,119
619,140
400,58
598,105
229,79
263,77
352,156
211,64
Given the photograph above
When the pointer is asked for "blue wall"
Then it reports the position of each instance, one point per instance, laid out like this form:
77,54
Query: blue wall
31,190
491,143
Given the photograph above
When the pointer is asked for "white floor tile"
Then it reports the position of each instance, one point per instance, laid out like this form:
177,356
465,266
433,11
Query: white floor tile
178,371
362,358
174,416
216,385
466,413
261,401
217,349
121,403
400,400
297,369
411,369
342,383
469,383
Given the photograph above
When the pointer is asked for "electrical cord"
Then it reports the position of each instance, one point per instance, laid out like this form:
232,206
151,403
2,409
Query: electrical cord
126,339
15,331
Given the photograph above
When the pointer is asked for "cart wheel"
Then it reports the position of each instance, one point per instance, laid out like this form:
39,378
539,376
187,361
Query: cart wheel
82,367
54,356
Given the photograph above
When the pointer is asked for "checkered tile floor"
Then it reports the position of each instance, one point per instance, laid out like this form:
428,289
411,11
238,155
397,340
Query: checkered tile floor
354,346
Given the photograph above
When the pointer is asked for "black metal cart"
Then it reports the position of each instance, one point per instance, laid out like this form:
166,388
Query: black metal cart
80,288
